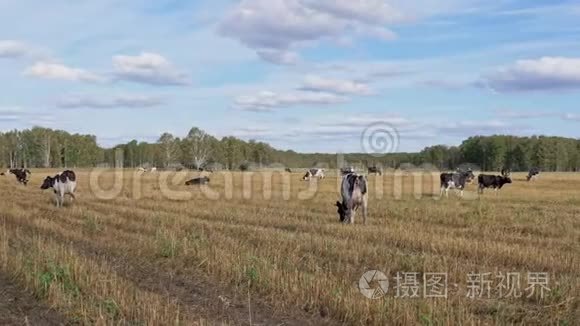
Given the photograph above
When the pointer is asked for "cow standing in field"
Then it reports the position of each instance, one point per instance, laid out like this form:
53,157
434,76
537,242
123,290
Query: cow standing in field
63,184
354,195
153,169
21,175
141,170
197,181
288,170
375,170
455,181
495,182
345,171
313,173
533,174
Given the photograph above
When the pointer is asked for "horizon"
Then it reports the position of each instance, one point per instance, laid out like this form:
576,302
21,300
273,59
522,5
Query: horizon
307,153
312,80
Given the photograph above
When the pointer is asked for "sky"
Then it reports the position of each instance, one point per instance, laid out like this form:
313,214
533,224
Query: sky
308,75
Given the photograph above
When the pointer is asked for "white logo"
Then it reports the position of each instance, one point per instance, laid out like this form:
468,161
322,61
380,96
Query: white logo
379,139
373,284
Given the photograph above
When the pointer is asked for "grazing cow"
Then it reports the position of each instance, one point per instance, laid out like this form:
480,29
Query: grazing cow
533,174
21,175
345,171
354,195
153,169
455,181
375,170
197,181
313,173
63,184
141,170
495,182
288,170
506,172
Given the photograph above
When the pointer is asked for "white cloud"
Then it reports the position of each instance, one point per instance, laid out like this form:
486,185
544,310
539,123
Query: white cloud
571,117
47,70
277,26
10,114
120,101
337,86
367,11
267,101
547,73
16,49
281,57
148,68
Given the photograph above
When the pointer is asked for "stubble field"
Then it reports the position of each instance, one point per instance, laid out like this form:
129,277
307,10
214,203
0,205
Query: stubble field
149,251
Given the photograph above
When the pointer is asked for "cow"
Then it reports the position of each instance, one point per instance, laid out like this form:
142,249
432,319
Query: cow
496,182
153,169
354,195
347,170
506,172
533,174
141,170
456,181
288,170
197,181
375,170
313,173
21,175
63,184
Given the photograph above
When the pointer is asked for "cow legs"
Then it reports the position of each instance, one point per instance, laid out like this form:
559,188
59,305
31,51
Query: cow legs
365,211
59,200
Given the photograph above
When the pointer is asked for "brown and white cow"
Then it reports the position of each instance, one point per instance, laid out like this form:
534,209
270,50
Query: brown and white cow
21,175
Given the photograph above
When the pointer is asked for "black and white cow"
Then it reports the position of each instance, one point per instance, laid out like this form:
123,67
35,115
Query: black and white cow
495,182
63,184
21,175
313,173
506,172
533,174
197,181
375,170
346,170
354,195
456,181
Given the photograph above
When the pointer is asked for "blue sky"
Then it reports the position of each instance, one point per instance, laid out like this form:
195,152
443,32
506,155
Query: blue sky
308,75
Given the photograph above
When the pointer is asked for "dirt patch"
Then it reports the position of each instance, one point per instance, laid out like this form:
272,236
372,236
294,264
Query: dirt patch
17,307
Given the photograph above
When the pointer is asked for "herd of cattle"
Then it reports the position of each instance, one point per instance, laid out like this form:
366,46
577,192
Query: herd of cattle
353,191
64,183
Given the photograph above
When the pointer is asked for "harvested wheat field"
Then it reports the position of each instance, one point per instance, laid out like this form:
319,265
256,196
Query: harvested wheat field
244,250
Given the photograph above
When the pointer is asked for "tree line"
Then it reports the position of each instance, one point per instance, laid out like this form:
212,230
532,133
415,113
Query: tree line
47,148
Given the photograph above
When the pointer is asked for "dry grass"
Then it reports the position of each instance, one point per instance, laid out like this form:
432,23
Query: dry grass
140,258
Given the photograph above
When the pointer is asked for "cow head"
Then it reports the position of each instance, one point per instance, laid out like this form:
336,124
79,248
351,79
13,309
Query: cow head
505,180
307,176
341,210
48,183
469,176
